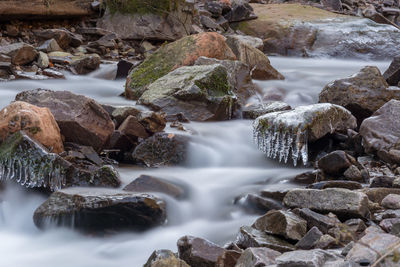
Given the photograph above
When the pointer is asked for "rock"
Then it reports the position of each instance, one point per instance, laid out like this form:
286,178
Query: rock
371,246
238,76
392,74
250,237
378,194
86,64
283,223
123,68
253,111
382,181
274,194
228,258
258,62
162,149
306,258
387,224
209,23
310,239
145,183
335,5
49,46
314,219
294,129
259,204
335,163
37,123
121,113
336,184
257,257
153,122
81,120
161,20
167,58
132,128
198,252
164,258
391,201
241,10
337,200
353,174
200,92
380,134
246,39
100,210
326,242
362,94
20,53
43,60
53,74
64,38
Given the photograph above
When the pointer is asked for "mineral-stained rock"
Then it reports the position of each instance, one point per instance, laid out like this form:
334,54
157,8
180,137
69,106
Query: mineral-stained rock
164,258
198,252
279,134
81,120
153,122
251,237
37,122
362,94
337,200
200,92
257,257
283,223
20,53
100,210
167,58
132,128
162,149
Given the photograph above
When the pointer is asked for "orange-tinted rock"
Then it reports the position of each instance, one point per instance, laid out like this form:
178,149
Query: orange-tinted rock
37,122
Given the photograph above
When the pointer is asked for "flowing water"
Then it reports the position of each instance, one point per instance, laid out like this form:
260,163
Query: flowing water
223,164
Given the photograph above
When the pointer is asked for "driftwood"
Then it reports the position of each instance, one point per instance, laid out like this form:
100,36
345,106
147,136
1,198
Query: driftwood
44,9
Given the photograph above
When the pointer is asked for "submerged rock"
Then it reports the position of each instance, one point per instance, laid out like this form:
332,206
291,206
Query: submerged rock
199,92
280,134
98,210
167,58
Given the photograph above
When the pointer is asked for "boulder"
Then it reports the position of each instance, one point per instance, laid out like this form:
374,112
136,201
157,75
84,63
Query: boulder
254,110
198,252
362,94
257,257
251,237
258,62
378,194
200,92
380,135
162,149
169,57
279,134
391,201
100,210
20,53
37,122
246,39
392,74
282,223
86,64
388,224
132,128
64,38
164,258
81,119
335,163
241,10
340,201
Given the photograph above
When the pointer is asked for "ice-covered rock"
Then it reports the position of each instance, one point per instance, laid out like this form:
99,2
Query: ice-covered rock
284,133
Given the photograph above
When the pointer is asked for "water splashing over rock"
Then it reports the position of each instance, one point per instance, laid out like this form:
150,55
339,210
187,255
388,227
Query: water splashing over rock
284,133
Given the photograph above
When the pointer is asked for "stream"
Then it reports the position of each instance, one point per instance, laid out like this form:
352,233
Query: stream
223,164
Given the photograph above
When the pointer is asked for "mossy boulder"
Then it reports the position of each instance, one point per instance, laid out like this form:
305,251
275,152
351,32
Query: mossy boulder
169,57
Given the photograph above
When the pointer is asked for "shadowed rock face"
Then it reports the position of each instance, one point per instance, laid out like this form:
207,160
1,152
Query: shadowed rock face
100,210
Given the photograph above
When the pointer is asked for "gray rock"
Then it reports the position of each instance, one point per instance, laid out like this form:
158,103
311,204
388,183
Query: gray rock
336,184
260,204
247,39
353,174
392,74
391,201
310,239
322,222
49,46
337,200
255,110
257,257
86,64
43,60
387,224
164,258
20,53
305,258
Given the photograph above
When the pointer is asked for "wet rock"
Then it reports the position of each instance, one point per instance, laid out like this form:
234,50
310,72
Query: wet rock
153,122
53,73
81,120
246,39
121,113
96,210
198,252
123,68
238,76
353,174
306,258
49,46
336,184
337,200
228,258
250,237
380,134
20,53
255,59
162,149
392,74
164,258
308,177
257,257
132,128
378,194
38,123
362,94
310,239
86,64
145,183
167,58
200,92
279,134
274,194
260,204
391,201
283,223
335,163
43,60
382,181
253,111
